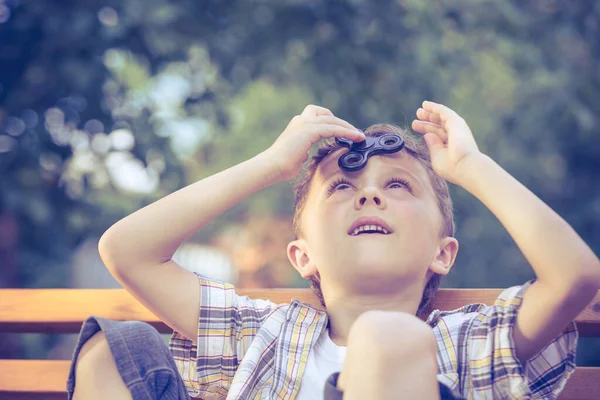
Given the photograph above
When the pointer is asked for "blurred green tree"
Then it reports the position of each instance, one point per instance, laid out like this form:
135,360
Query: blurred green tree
106,106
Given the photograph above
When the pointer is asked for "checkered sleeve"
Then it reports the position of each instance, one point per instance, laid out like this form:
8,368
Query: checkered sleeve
227,325
492,368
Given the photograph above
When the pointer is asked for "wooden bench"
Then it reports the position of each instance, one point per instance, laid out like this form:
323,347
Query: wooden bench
64,310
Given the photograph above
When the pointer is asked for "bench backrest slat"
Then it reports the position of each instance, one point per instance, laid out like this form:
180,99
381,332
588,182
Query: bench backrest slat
64,310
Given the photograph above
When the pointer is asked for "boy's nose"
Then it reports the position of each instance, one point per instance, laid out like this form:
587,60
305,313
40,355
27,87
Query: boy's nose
369,194
375,199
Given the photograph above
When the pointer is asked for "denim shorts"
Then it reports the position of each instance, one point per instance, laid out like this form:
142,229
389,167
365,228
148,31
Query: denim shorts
146,364
333,393
142,357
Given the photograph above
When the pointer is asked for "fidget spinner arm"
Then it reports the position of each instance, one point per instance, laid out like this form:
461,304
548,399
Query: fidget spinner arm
358,154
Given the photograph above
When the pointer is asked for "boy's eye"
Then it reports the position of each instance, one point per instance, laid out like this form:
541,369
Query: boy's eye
341,183
337,183
400,183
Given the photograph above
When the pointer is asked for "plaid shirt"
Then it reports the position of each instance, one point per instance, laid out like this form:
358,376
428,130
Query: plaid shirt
256,349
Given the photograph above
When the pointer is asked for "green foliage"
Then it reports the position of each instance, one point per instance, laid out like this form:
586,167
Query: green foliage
258,115
203,85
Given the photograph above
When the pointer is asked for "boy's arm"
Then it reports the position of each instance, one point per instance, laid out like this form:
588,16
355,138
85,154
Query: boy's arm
137,250
567,271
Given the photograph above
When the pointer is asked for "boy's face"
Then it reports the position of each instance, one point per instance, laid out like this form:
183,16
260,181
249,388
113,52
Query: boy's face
403,256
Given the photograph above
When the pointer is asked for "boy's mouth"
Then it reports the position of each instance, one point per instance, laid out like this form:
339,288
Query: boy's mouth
369,226
369,230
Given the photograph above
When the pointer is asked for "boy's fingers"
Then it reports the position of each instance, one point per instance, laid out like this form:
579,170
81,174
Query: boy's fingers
450,121
428,116
444,112
425,127
326,119
312,110
326,131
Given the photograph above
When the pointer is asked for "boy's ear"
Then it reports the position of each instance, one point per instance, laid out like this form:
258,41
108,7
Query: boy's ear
297,252
446,254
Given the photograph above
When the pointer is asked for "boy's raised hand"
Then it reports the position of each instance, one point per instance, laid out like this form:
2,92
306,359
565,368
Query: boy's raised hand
448,138
292,147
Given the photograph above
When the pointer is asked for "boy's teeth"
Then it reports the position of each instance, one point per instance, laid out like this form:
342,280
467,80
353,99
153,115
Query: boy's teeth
369,228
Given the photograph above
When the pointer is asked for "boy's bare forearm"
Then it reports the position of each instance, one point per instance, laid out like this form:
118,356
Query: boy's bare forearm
151,235
555,251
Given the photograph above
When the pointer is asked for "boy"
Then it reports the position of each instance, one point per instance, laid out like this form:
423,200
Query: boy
374,244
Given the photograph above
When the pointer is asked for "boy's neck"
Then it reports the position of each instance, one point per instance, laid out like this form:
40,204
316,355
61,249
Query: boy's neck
344,310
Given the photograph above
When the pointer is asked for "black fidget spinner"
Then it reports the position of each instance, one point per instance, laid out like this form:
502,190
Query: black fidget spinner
358,155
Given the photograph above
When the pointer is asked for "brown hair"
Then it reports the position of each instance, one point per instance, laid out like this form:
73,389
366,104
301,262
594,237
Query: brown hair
415,148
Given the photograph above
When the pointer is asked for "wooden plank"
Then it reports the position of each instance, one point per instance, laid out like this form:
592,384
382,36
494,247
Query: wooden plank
33,379
64,310
584,384
36,379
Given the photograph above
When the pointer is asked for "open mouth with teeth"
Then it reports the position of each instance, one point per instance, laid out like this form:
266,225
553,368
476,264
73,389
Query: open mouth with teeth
369,229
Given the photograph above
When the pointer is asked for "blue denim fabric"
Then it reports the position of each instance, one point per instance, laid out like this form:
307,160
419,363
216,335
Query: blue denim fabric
142,357
146,363
333,393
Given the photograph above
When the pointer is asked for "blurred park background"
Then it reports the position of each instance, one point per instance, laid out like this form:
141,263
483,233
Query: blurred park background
107,106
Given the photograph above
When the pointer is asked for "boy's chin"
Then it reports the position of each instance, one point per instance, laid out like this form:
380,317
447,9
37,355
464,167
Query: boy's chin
374,266
372,253
370,244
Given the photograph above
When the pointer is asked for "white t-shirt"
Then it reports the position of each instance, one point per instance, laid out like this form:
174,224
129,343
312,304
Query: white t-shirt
324,359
